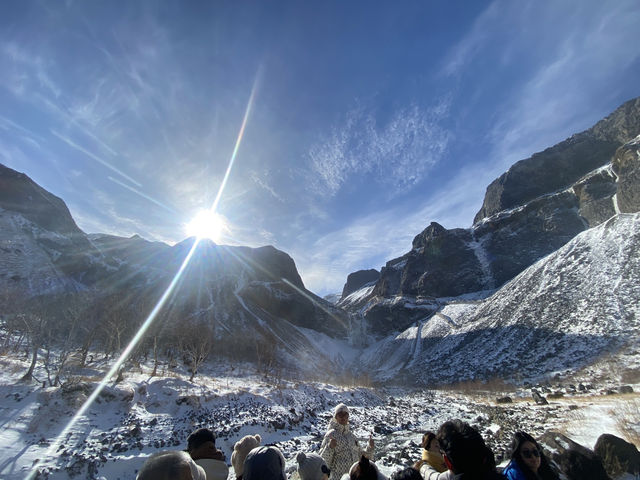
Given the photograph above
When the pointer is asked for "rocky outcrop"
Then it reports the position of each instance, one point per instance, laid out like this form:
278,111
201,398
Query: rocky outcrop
357,280
626,165
516,239
20,194
563,164
618,456
529,212
573,459
441,263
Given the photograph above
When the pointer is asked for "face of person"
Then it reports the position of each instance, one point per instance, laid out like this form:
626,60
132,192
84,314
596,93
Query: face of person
530,456
342,418
434,446
205,450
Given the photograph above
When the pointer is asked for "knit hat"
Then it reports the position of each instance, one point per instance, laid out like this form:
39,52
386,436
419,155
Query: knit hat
199,437
341,407
240,451
264,463
310,466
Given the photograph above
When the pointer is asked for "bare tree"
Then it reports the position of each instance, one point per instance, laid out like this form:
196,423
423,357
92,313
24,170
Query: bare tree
195,342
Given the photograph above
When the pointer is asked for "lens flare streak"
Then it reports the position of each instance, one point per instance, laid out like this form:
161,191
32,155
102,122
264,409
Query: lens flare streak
51,451
116,366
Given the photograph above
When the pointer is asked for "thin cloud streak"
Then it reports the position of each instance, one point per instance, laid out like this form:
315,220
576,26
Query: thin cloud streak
94,157
143,195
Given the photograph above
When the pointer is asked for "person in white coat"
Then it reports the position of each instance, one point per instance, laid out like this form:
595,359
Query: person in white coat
340,447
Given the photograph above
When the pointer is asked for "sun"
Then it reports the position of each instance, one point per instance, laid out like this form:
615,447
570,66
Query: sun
207,224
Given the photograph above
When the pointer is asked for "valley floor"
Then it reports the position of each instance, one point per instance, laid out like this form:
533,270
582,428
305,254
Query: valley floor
141,415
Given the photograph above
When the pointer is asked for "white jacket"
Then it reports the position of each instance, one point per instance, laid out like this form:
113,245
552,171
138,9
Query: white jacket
347,451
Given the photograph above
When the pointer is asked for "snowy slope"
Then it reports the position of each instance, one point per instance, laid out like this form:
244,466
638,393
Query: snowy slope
142,415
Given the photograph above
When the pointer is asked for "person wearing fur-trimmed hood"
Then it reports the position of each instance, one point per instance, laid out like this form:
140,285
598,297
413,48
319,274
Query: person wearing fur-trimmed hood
340,447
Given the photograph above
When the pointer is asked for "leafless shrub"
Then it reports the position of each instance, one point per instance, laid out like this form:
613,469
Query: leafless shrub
627,418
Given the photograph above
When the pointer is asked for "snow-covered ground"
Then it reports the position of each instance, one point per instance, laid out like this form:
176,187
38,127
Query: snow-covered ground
143,414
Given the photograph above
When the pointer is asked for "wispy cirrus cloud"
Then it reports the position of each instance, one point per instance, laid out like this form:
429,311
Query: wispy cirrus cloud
396,154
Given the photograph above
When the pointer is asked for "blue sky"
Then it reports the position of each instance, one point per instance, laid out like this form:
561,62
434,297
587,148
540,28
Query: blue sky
369,120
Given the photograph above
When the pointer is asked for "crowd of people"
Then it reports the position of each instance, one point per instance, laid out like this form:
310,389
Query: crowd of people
456,451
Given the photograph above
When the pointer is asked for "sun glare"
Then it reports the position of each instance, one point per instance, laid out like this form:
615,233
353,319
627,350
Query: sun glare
207,224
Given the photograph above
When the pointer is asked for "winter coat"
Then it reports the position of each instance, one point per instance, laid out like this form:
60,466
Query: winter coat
430,473
513,471
347,451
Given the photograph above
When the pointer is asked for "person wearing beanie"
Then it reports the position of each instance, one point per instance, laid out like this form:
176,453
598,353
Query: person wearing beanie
340,448
312,467
201,446
264,463
240,451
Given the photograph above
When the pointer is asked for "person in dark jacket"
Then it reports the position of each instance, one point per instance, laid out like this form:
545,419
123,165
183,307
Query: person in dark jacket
527,460
466,455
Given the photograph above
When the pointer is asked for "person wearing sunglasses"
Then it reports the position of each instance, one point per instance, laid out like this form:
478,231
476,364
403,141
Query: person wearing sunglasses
527,460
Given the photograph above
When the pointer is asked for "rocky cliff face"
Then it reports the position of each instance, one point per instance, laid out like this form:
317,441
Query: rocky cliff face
562,165
357,280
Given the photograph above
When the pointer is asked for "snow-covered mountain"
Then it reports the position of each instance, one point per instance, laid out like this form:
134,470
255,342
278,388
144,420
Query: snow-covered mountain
530,289
564,312
250,302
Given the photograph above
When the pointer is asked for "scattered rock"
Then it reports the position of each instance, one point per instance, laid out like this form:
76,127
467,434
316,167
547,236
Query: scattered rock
625,389
539,399
504,400
190,400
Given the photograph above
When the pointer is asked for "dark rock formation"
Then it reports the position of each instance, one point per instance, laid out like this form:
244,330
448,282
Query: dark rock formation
563,164
618,455
574,460
595,196
515,240
529,212
442,263
539,399
357,280
626,165
18,193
